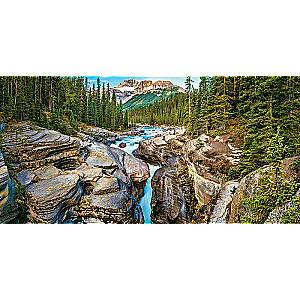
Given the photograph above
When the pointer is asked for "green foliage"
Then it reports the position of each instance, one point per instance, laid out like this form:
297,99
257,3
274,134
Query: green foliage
292,215
273,189
142,100
59,103
255,105
22,198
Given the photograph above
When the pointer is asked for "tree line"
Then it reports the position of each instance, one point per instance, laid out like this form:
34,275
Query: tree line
253,106
61,103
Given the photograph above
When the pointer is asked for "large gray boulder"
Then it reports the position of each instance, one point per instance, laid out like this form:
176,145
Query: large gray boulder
133,167
172,194
51,198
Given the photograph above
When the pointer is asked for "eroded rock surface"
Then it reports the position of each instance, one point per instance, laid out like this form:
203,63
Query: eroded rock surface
27,146
222,201
71,180
248,187
172,195
155,150
8,206
52,197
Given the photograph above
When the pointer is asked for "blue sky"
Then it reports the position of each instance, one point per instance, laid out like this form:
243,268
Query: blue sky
115,80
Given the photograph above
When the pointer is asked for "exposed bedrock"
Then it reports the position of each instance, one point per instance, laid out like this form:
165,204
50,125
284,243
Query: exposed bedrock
8,206
249,186
193,175
155,150
172,196
27,146
69,180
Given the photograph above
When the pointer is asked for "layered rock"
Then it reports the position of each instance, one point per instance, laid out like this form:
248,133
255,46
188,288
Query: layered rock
96,134
51,198
172,196
68,180
155,150
8,206
27,146
205,162
109,202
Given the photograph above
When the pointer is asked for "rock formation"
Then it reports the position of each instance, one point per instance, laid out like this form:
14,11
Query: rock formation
131,87
248,188
155,150
172,197
69,179
191,186
8,206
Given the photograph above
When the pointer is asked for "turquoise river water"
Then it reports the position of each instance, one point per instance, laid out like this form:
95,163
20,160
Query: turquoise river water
132,143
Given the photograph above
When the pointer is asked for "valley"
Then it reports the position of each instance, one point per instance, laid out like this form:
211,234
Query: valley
166,156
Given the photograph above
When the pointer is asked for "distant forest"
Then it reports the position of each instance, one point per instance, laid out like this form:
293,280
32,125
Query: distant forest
255,107
60,103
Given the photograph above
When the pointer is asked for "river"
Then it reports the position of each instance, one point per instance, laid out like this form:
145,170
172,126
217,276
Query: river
132,143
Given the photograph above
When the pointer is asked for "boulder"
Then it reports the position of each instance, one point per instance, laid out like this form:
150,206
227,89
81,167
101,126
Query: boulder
172,194
99,156
88,173
154,150
135,168
106,185
52,197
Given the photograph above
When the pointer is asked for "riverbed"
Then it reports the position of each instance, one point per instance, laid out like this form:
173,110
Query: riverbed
132,143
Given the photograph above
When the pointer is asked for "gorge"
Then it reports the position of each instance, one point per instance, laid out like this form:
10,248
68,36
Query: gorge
73,154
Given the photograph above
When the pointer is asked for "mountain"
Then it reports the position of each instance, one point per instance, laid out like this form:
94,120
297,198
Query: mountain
151,96
134,93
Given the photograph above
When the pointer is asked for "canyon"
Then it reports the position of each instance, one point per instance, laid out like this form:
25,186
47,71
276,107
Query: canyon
160,176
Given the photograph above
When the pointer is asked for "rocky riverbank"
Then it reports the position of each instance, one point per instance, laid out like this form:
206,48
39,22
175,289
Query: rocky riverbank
63,179
192,186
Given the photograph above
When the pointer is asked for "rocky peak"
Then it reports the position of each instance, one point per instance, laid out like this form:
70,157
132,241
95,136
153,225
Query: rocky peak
162,84
144,86
128,83
131,87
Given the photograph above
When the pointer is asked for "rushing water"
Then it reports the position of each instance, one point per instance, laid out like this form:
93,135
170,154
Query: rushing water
132,143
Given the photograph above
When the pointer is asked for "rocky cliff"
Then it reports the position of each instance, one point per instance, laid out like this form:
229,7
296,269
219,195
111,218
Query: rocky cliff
192,186
69,179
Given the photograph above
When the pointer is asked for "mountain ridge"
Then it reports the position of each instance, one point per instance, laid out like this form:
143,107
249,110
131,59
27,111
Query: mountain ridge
130,88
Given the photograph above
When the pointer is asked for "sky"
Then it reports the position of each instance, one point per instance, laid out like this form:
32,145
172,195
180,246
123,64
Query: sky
115,80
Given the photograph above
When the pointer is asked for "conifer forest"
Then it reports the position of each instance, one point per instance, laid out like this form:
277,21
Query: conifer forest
224,150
